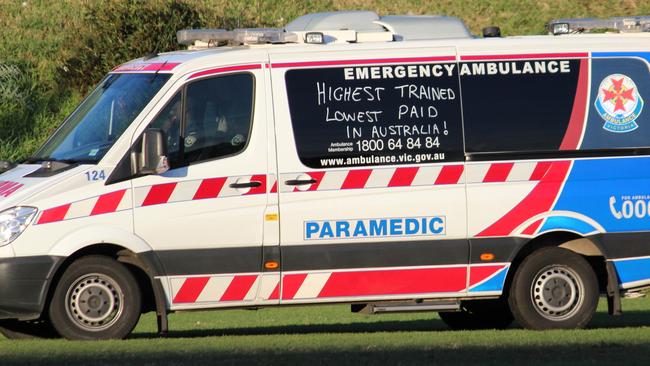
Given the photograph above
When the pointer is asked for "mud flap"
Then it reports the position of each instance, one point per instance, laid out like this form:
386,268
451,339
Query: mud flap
613,293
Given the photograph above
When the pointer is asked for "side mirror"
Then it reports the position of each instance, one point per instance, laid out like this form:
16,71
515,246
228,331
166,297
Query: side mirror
153,159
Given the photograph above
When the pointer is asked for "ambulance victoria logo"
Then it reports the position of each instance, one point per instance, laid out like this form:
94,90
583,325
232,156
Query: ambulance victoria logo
619,103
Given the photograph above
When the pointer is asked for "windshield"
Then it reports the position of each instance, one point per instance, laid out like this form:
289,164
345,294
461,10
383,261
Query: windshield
101,119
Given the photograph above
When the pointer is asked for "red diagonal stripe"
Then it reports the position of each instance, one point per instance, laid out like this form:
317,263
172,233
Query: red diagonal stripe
274,189
54,214
393,282
108,202
539,200
260,189
498,172
209,188
540,170
291,283
276,293
191,289
238,288
573,133
7,188
403,177
530,230
318,176
159,193
356,178
480,273
450,174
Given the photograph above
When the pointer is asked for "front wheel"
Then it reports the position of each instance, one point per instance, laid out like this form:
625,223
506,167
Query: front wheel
96,298
554,288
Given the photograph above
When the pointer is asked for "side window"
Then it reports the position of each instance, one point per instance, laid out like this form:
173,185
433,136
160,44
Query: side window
520,106
376,115
528,106
218,117
208,119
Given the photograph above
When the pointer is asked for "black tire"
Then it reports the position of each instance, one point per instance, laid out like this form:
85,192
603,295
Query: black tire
479,314
96,298
554,288
33,329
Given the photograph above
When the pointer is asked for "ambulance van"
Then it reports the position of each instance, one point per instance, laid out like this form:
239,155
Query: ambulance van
393,163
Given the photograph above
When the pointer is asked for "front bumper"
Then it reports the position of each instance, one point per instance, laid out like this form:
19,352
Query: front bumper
24,282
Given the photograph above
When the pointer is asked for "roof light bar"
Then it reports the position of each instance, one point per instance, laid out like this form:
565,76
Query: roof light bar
593,25
263,35
188,37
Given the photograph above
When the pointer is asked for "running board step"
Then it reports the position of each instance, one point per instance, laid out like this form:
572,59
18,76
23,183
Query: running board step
405,307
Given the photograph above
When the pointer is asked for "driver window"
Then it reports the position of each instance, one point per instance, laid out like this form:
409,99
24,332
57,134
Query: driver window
214,115
218,115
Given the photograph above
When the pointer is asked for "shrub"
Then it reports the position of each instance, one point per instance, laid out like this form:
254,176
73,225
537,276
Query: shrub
117,31
16,101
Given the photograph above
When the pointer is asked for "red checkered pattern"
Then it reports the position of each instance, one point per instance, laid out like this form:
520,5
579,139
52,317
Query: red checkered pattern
154,195
106,203
331,284
191,190
325,180
506,172
7,188
240,287
377,178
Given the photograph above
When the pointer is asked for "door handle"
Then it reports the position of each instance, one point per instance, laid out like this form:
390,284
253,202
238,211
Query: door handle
251,184
300,182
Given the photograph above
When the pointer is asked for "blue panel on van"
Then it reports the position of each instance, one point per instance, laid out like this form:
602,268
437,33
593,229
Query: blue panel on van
493,284
633,270
615,192
567,223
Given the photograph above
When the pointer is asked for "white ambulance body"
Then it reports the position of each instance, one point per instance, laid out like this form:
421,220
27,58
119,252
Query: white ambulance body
393,171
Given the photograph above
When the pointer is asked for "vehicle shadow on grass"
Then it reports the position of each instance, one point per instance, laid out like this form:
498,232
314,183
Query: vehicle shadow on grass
455,354
358,327
600,320
632,318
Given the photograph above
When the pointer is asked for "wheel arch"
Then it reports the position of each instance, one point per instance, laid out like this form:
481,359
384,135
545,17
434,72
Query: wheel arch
144,265
81,239
590,249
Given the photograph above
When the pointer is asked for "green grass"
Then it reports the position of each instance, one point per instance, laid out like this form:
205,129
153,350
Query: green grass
331,335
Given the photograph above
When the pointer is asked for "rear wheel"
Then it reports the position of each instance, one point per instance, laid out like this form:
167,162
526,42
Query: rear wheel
33,329
479,314
96,298
554,288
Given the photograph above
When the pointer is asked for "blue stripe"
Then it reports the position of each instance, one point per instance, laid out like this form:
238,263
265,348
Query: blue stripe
643,55
567,223
633,270
493,284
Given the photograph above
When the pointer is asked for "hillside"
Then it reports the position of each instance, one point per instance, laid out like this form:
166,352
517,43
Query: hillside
51,53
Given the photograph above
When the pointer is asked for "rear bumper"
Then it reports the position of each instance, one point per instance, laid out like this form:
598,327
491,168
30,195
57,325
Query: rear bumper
24,282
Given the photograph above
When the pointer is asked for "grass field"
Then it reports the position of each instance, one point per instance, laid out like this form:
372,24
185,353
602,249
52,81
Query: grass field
331,335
